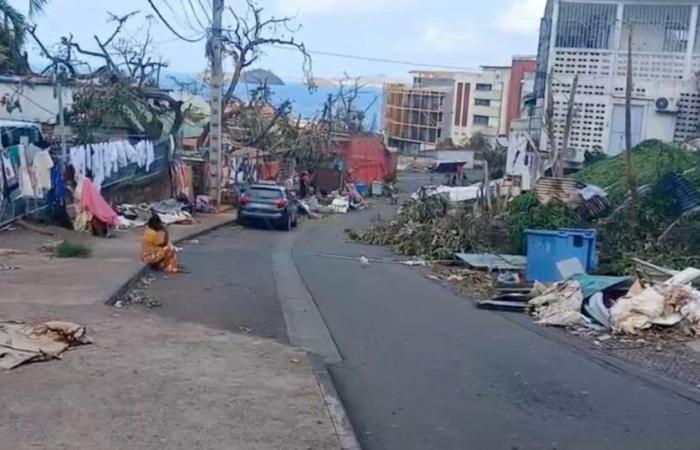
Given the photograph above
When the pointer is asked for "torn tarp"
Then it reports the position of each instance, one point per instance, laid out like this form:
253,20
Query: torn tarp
561,304
20,343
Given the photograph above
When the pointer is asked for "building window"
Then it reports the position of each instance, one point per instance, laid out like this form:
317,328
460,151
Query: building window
586,25
483,87
657,28
482,102
481,120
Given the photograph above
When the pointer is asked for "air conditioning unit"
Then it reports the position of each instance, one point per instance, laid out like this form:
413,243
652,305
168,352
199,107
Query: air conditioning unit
667,105
572,155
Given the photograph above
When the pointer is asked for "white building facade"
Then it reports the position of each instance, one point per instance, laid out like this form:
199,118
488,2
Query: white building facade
590,38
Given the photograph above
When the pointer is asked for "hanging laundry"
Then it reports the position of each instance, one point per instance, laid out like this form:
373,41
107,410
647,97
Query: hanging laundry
92,202
105,159
150,155
9,172
41,168
26,188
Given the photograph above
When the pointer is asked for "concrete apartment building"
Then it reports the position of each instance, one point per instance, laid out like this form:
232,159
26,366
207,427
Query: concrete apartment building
453,105
590,38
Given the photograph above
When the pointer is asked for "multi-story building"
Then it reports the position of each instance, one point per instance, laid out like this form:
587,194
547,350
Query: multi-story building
590,38
453,105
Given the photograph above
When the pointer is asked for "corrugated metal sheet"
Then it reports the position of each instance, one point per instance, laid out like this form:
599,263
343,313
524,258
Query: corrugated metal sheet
492,261
682,190
593,208
567,191
564,190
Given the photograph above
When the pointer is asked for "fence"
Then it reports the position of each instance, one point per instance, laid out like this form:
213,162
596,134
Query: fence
16,207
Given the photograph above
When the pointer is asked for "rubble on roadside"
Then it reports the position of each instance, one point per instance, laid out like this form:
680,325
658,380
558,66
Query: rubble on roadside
139,294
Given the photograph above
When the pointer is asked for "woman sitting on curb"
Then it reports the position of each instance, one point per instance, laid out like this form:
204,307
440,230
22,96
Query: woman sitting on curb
156,249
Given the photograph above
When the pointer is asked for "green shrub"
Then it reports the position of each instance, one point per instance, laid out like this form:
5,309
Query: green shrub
68,249
526,212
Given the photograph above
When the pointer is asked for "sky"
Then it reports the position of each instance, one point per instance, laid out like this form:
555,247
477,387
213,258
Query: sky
459,33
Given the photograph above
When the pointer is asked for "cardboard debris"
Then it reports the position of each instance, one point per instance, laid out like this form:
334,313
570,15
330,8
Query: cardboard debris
20,343
560,305
663,304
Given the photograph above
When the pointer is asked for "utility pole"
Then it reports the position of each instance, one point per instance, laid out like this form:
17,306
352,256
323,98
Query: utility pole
631,174
558,167
215,134
61,119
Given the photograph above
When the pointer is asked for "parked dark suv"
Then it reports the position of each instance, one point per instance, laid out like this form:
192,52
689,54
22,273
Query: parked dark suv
269,203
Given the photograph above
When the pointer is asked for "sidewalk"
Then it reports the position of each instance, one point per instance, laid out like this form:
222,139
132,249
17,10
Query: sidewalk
146,382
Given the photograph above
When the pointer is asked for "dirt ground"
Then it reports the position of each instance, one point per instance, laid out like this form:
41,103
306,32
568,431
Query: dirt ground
152,383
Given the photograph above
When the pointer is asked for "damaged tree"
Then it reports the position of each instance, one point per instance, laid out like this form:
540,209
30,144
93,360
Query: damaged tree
250,35
113,95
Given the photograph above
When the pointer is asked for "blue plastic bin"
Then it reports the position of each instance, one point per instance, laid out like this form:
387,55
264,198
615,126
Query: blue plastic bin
546,248
362,189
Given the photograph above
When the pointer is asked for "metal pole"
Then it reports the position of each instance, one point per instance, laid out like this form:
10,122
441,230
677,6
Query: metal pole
216,104
61,121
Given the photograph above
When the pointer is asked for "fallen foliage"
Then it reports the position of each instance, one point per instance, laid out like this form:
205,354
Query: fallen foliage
432,228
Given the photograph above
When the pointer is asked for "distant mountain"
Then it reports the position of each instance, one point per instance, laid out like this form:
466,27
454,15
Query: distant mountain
325,82
259,76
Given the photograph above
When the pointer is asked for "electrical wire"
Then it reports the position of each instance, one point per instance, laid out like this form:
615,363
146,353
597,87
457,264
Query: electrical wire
196,16
170,27
382,60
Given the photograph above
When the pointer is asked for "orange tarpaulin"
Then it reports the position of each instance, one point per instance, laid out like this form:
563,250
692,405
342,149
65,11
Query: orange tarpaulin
368,159
269,170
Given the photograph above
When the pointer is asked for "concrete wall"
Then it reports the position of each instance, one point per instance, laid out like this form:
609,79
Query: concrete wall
38,102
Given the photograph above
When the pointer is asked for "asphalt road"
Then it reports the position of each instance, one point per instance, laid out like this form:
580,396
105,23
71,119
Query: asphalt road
421,367
231,284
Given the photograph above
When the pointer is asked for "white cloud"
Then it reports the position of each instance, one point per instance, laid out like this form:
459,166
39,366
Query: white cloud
337,7
522,16
448,38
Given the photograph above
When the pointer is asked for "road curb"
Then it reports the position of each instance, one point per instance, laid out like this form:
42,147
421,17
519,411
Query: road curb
133,278
334,405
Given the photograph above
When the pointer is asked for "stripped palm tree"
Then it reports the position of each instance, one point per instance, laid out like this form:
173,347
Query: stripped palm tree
36,7
12,37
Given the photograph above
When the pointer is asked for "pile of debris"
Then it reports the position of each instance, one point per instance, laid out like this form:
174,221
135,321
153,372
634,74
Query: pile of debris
334,203
435,228
610,304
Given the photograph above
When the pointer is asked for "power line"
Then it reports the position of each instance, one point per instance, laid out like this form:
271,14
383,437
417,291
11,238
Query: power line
381,60
170,27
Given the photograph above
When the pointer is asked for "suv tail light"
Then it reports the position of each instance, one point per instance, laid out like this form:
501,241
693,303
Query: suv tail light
244,200
281,203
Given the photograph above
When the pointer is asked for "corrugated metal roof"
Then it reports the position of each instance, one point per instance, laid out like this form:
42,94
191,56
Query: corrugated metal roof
564,190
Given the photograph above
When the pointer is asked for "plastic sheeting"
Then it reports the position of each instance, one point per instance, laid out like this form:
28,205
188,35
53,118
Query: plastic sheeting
368,160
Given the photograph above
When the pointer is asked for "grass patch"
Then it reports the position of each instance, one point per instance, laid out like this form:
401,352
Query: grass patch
651,159
68,249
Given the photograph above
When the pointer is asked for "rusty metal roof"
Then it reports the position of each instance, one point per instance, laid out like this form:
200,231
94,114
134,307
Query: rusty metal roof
564,190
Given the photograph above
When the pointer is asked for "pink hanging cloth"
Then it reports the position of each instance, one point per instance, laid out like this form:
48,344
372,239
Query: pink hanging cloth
92,202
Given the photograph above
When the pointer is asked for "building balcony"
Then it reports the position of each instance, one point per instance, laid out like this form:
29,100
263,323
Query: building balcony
490,111
605,63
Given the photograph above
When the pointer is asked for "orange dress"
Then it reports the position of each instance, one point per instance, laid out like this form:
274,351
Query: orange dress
157,252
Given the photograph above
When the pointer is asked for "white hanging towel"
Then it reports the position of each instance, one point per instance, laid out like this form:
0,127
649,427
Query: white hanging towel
42,165
25,182
150,155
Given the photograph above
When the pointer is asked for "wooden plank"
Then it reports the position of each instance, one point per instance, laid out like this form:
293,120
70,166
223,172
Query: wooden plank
502,305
